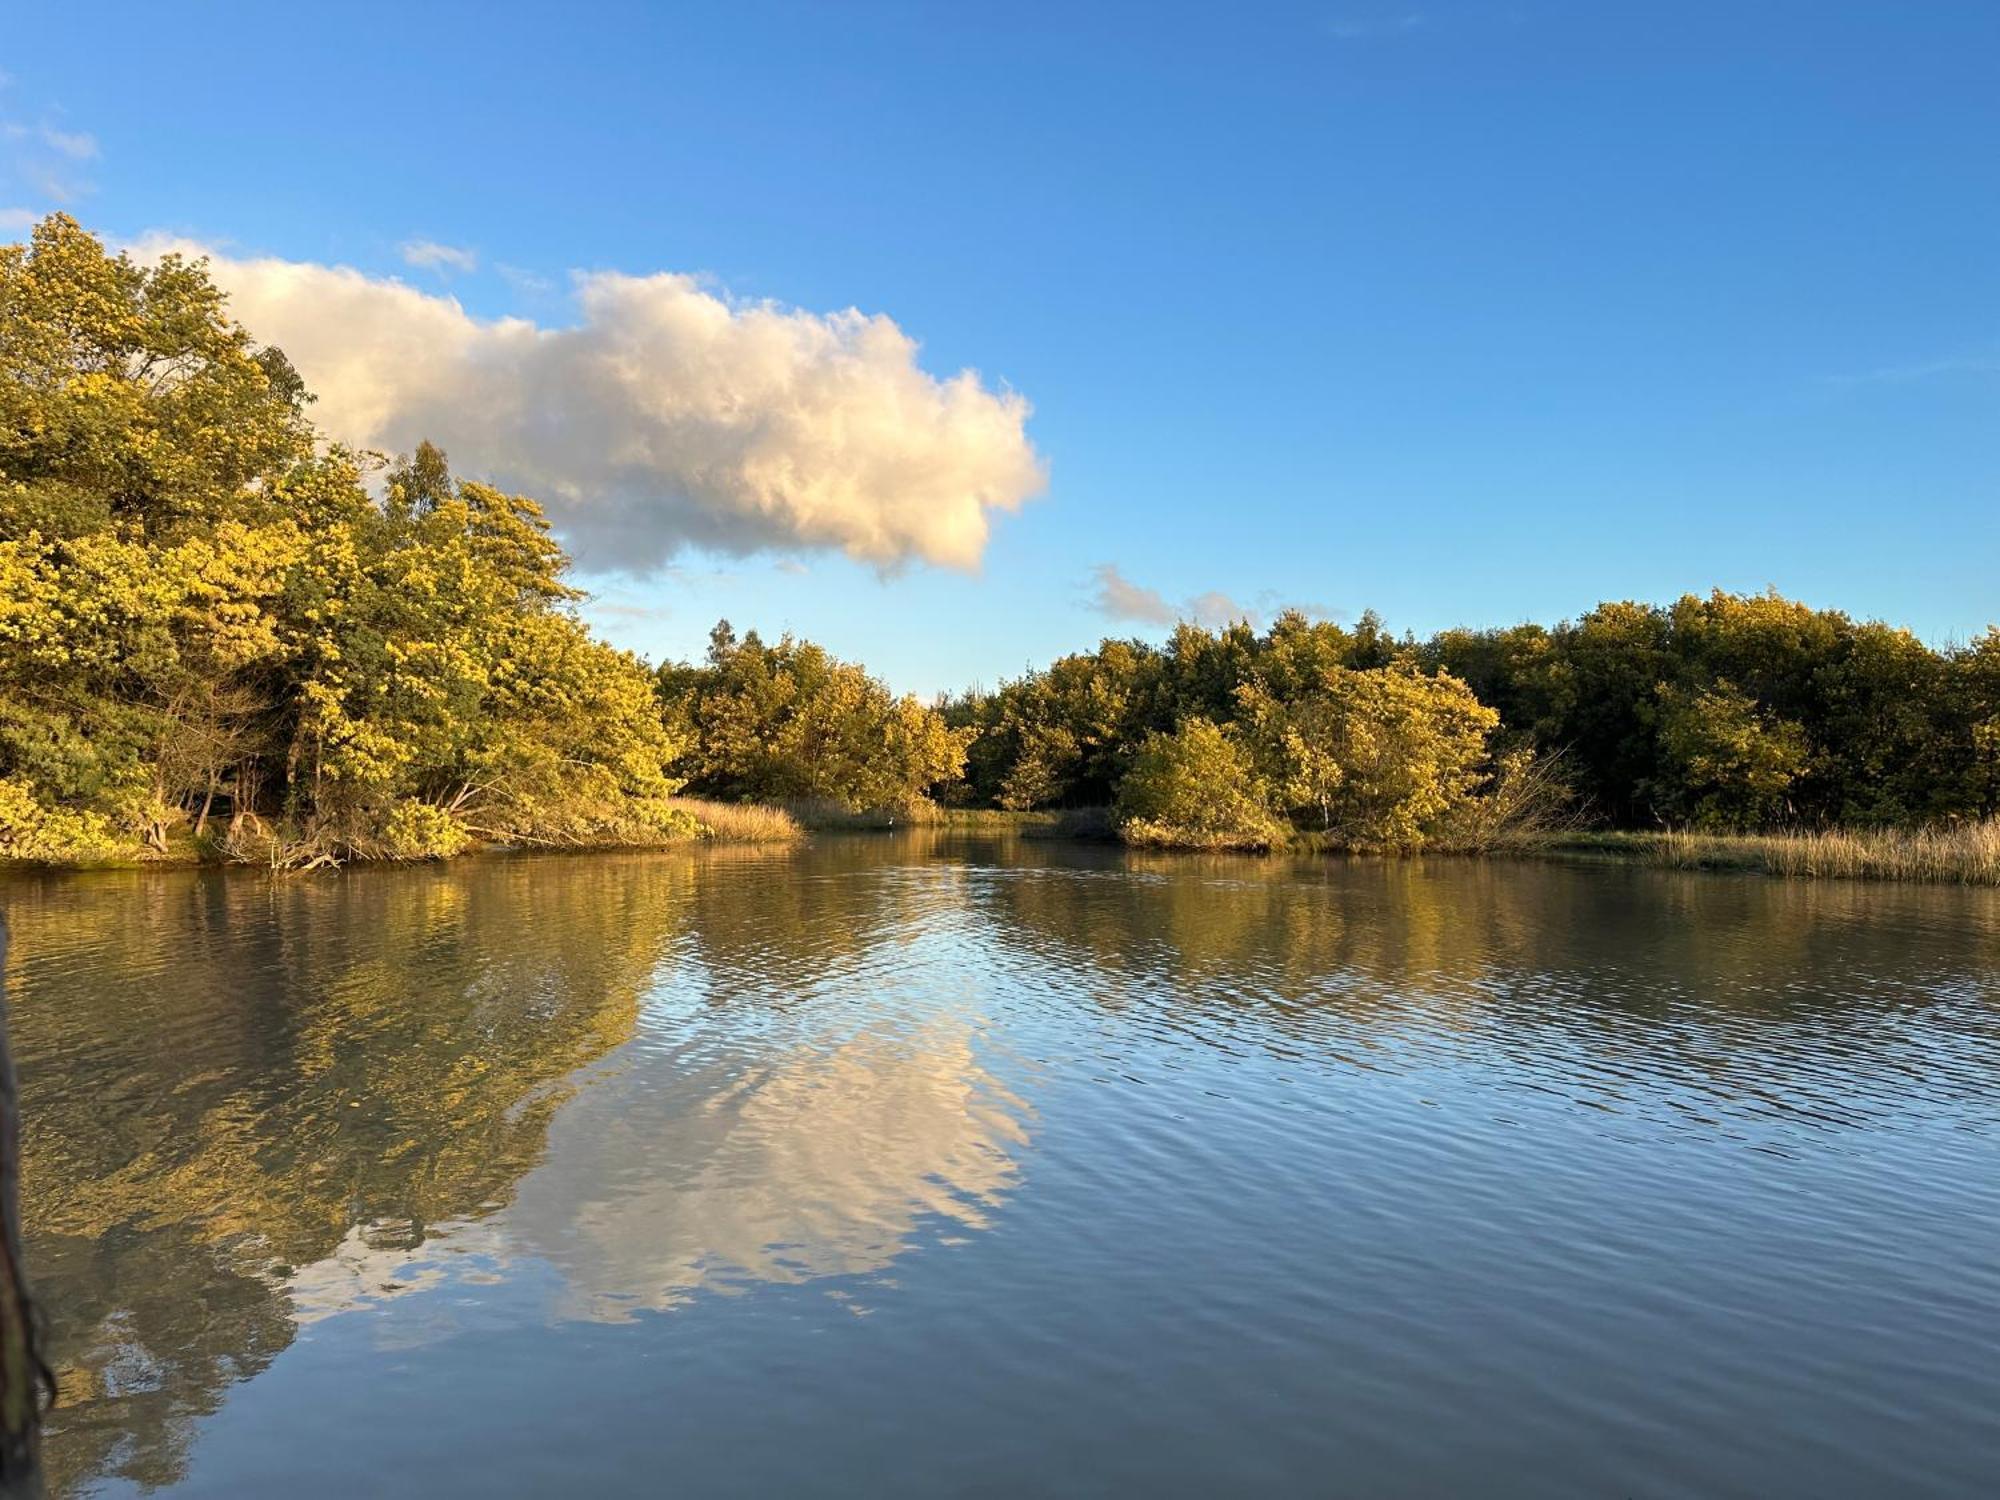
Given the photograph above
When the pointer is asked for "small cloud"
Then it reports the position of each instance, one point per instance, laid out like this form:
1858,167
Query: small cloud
1359,28
793,566
429,255
1933,369
525,282
1118,598
1213,610
77,145
630,611
1272,604
47,158
17,220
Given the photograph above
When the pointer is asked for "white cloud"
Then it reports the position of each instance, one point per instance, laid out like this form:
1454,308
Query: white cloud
429,255
1930,369
1215,610
77,145
1119,598
525,282
47,158
667,417
1363,28
17,220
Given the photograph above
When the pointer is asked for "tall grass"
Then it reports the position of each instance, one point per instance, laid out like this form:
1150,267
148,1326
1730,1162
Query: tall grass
824,815
1957,853
741,822
1089,823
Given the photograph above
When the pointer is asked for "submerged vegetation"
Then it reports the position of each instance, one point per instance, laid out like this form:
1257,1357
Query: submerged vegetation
223,637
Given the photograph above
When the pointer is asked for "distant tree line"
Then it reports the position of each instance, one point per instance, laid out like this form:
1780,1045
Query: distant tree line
1728,713
220,634
790,723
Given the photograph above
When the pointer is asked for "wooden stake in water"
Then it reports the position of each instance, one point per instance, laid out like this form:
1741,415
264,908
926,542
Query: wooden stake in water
23,1376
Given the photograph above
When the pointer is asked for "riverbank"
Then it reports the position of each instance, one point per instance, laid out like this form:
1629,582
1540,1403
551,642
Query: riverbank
1960,854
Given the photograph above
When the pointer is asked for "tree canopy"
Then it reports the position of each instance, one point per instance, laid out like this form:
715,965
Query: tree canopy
790,722
212,628
219,631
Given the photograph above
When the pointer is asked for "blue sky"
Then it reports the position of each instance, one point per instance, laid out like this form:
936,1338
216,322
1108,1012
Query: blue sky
1468,312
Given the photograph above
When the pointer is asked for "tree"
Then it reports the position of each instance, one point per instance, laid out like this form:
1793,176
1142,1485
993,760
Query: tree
204,615
1196,788
1385,757
1726,762
791,721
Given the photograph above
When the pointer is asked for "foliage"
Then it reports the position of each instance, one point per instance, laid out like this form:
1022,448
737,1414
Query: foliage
1196,788
217,631
1746,711
418,830
1731,712
204,615
32,831
1734,763
1386,757
790,722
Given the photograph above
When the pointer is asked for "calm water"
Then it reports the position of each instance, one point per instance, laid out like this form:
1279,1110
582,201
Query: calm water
930,1167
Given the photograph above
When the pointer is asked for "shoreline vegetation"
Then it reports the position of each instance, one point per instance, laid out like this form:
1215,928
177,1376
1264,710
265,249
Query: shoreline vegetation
226,639
1963,855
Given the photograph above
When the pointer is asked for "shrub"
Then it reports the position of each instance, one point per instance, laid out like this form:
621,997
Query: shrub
1196,789
422,830
31,830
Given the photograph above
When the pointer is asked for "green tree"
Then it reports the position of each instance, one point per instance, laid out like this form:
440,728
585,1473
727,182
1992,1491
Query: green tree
1384,757
203,613
1727,763
791,721
1198,788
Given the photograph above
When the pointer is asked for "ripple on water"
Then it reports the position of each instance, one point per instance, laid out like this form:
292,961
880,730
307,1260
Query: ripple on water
933,1165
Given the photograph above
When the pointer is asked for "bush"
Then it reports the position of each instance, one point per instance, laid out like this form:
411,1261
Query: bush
1196,789
33,831
422,830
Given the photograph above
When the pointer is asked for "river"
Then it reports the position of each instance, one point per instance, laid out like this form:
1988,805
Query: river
918,1165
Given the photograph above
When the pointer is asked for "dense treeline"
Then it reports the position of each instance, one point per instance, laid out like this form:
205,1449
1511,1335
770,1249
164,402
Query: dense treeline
1238,739
210,629
1725,713
1740,712
220,634
790,723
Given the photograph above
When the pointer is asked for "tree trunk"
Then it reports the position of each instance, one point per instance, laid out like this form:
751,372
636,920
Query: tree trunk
23,1376
207,802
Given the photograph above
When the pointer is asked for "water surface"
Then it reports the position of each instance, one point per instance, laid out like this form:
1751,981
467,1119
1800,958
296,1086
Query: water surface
925,1165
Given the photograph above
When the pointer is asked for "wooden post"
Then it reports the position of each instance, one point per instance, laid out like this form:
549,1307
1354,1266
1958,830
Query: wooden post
23,1376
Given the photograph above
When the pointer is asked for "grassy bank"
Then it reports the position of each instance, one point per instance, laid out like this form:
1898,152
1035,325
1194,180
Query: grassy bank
1093,824
741,822
1960,854
1954,854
